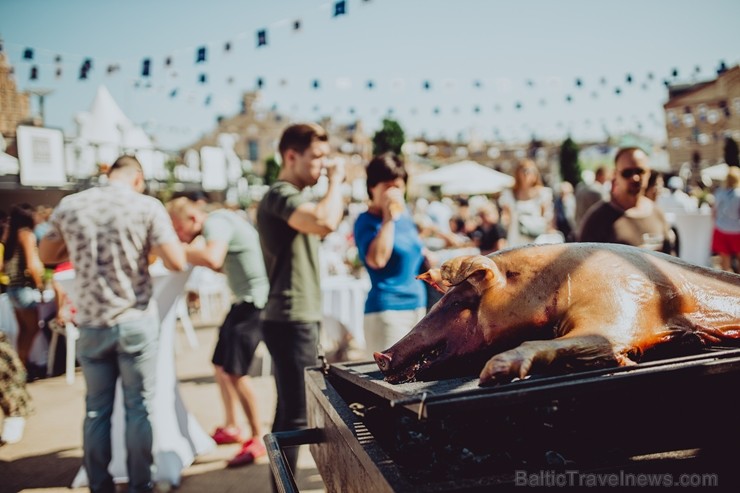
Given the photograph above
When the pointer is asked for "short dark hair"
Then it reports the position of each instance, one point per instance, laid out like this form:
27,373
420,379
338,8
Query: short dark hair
625,150
385,167
300,136
126,162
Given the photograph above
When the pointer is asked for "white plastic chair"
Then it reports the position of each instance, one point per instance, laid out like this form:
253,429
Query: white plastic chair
70,332
213,292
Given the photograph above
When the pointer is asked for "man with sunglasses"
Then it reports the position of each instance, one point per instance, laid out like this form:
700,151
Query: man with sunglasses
629,217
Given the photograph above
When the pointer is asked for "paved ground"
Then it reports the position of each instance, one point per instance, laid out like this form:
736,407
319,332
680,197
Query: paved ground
49,456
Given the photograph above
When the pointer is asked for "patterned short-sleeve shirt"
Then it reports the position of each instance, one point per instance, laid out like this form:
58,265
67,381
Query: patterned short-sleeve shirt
109,232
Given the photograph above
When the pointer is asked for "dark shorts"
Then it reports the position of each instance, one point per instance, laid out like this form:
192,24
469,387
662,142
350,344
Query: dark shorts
238,337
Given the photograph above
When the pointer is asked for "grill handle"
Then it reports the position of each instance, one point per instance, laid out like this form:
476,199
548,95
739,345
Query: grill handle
276,442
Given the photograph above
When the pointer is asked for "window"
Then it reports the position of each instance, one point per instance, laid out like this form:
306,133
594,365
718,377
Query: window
253,150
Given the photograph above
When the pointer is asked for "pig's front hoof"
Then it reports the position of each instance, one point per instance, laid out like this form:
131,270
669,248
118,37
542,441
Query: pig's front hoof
505,366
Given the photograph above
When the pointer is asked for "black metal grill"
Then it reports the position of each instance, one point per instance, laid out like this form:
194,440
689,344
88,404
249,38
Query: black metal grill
670,415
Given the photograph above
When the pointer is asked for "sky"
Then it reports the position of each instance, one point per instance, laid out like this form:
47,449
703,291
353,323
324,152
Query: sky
497,70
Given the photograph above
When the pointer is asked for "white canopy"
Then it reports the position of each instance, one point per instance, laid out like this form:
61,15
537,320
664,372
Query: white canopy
466,178
716,173
105,132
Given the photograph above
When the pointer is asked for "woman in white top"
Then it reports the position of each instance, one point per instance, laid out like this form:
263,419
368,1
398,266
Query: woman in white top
527,209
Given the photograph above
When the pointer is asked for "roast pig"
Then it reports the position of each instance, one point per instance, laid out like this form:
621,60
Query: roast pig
566,306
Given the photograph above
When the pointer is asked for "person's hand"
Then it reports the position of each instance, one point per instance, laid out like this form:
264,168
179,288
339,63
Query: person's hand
393,203
334,170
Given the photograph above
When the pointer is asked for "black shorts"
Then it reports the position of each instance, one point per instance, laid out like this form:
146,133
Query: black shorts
238,337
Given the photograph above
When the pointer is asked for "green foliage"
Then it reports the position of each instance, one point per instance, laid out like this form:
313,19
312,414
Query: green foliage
272,170
732,154
389,138
570,168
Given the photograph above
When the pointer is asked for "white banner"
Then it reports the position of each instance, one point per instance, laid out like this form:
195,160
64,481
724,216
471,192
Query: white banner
41,156
213,166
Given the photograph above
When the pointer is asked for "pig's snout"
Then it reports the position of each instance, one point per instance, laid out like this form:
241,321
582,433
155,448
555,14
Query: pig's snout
383,360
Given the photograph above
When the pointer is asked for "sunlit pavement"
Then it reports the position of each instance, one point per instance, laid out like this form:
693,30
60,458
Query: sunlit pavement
49,456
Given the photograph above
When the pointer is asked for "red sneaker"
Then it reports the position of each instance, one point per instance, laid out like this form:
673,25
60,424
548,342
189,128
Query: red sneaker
250,450
223,436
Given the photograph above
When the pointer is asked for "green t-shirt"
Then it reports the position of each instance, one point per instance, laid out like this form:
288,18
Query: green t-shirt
292,258
243,265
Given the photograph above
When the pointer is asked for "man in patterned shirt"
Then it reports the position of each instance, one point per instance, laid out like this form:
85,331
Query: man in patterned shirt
108,233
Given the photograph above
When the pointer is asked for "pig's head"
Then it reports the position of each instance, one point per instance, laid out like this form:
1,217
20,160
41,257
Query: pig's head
455,334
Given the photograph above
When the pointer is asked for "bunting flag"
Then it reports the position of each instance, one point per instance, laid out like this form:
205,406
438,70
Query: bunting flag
85,68
146,67
262,38
200,55
340,8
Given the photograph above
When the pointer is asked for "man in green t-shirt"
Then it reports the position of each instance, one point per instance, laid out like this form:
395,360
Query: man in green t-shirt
290,227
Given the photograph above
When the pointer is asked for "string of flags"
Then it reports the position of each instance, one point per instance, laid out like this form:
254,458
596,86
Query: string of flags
40,66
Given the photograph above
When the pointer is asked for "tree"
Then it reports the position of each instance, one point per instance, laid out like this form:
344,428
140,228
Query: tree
732,154
272,170
389,138
570,168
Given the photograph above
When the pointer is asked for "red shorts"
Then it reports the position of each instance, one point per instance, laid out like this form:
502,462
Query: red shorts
725,243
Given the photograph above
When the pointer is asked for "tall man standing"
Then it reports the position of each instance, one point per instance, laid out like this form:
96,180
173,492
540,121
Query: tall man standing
629,217
290,227
108,233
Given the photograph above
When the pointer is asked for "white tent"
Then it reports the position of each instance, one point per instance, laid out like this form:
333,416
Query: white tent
105,132
466,178
716,173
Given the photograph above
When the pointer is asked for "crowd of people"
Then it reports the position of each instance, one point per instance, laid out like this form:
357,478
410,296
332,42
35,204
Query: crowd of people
273,267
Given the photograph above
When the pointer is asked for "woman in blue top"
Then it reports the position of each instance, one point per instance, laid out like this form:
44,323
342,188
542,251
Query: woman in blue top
391,250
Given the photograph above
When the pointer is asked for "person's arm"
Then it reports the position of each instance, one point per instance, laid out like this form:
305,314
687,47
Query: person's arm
34,265
381,247
172,255
211,254
323,217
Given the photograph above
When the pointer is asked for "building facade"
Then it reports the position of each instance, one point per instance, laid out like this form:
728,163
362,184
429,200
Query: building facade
258,132
14,105
698,119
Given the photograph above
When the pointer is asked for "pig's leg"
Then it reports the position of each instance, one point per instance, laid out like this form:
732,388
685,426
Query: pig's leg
585,351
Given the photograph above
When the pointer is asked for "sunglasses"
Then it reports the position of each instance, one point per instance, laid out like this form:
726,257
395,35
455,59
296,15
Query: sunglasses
629,173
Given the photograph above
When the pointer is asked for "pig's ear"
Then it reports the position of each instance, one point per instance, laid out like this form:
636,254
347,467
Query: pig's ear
434,279
478,270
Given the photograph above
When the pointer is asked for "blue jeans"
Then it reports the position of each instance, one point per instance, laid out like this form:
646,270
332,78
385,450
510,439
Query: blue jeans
127,350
